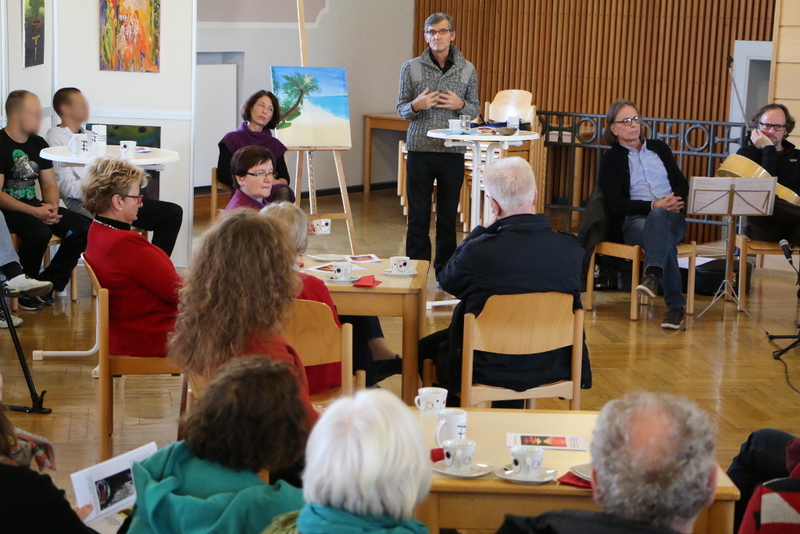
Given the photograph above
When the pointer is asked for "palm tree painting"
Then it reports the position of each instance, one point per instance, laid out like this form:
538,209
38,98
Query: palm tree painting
314,106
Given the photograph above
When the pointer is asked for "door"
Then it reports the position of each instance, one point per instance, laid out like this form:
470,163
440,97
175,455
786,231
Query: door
215,115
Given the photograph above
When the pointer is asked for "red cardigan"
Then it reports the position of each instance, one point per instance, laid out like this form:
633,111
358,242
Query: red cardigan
329,375
143,289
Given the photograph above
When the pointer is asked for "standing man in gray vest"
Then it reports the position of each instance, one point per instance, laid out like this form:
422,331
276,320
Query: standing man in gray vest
437,86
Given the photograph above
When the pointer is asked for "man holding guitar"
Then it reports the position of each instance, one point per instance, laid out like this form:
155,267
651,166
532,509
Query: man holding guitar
780,158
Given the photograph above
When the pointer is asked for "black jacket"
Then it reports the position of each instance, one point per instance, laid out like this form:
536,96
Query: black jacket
615,178
576,522
785,164
516,255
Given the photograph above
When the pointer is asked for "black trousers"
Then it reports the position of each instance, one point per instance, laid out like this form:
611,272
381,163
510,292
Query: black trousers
164,219
33,238
447,169
365,329
784,223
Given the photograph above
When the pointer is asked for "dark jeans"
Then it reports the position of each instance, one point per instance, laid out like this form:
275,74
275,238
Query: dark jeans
447,169
164,219
784,223
365,329
33,238
762,458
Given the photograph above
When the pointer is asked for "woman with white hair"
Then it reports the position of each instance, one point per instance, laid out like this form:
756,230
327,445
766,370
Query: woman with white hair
367,467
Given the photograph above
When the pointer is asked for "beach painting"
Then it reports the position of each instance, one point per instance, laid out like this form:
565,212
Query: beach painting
130,35
314,107
33,32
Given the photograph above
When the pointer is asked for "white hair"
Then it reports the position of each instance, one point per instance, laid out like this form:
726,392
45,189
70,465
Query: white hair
511,183
366,455
294,220
658,476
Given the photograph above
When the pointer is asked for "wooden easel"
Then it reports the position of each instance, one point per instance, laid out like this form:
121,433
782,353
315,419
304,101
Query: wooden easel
305,157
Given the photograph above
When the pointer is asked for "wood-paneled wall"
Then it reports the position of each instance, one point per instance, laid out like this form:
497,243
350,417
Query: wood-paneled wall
785,76
580,55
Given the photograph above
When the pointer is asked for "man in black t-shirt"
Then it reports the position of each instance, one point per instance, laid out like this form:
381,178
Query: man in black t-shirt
35,220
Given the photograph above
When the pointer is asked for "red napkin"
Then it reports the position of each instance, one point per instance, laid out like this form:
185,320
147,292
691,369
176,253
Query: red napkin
437,455
571,479
367,282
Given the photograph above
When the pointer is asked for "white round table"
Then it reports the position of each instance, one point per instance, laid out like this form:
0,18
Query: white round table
477,143
149,160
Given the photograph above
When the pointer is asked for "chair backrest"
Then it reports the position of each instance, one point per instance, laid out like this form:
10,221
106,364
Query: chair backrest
510,102
314,334
524,324
102,308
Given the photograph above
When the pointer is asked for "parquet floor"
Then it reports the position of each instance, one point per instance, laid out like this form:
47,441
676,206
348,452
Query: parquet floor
724,362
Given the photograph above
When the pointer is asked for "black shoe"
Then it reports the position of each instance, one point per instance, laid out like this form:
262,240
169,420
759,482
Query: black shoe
673,319
386,368
47,298
30,303
648,285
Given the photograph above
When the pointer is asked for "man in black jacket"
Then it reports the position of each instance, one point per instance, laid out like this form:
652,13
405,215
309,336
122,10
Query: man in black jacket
653,471
780,158
642,183
516,253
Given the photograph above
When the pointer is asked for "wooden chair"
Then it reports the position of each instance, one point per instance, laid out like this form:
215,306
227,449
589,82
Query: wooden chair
522,324
112,365
510,102
746,247
215,187
315,336
635,253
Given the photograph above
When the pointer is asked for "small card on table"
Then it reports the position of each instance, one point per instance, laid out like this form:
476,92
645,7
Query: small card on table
363,258
561,443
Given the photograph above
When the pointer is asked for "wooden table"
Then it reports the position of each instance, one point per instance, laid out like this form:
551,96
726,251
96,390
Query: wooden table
473,504
394,297
388,121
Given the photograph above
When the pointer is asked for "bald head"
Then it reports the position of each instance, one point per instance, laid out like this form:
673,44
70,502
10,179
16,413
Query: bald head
24,112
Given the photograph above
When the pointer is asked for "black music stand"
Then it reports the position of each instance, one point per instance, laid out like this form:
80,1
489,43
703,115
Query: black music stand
36,399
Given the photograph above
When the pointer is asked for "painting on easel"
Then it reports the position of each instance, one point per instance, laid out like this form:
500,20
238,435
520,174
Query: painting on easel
314,106
130,35
33,32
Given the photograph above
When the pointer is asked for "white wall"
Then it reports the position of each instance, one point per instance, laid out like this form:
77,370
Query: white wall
370,39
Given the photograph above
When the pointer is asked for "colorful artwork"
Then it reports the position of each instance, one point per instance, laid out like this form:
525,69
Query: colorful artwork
314,106
33,32
130,35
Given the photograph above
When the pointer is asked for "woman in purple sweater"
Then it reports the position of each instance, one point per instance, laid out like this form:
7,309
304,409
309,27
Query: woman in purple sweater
253,171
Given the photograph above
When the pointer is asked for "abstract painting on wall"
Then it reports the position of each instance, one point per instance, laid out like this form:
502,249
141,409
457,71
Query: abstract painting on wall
314,106
33,32
130,35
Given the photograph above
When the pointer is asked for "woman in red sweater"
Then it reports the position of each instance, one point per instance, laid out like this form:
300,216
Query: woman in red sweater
140,278
238,292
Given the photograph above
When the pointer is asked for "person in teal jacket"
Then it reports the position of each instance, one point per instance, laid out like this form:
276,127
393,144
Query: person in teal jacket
249,421
367,467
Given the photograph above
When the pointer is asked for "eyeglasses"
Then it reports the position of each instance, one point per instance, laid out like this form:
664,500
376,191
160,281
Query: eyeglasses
432,33
137,197
261,174
629,122
773,127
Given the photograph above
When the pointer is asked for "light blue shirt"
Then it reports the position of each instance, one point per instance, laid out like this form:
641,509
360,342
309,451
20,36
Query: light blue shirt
649,179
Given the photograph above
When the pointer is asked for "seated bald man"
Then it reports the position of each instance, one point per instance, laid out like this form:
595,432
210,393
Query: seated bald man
653,471
516,253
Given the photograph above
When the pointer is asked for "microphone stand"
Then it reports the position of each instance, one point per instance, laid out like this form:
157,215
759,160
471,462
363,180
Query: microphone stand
779,353
36,399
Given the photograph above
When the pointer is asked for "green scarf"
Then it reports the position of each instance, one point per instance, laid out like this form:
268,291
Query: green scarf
316,519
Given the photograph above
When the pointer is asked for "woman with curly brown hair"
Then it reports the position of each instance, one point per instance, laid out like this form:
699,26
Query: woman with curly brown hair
239,289
250,420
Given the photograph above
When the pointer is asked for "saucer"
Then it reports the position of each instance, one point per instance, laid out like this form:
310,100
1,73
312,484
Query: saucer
327,257
583,471
352,280
389,272
507,473
478,470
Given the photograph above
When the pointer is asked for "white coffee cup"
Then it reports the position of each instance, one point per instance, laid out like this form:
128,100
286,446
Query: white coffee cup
341,271
79,143
458,455
431,401
454,124
99,135
513,121
400,264
526,460
321,226
128,148
452,425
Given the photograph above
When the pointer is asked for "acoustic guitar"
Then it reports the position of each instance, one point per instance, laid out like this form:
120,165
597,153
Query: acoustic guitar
736,166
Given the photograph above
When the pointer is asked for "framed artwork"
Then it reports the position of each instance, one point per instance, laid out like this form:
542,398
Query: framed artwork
314,106
149,136
33,32
130,35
